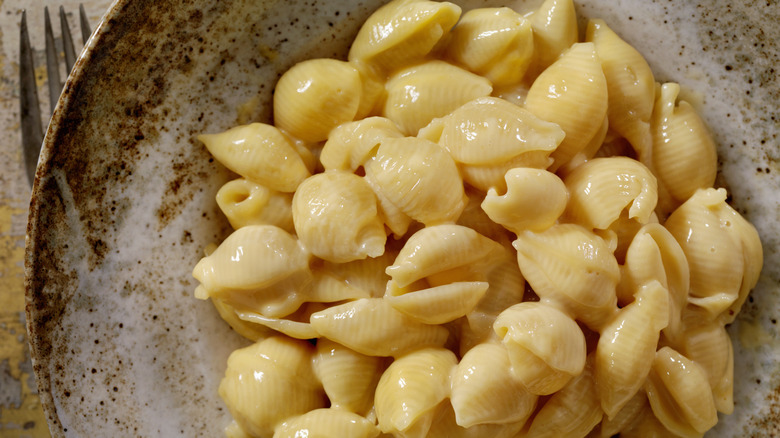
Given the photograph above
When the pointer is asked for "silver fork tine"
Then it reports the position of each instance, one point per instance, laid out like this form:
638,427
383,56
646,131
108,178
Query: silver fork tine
52,67
32,132
67,41
85,31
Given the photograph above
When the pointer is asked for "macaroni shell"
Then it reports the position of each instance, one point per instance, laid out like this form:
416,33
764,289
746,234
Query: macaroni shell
420,93
348,377
709,345
327,423
259,153
554,27
351,144
438,304
315,96
444,426
335,216
244,203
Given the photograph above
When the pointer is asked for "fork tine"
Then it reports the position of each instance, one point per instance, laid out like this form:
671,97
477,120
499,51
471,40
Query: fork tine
85,31
67,41
32,132
52,67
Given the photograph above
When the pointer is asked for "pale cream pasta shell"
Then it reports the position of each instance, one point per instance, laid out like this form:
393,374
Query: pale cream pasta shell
491,176
295,325
437,304
348,377
684,155
627,345
680,394
412,387
402,31
335,216
393,217
490,131
474,217
496,43
315,96
571,93
444,426
420,93
630,84
373,327
327,423
367,274
534,200
555,29
546,347
420,178
709,345
353,143
260,153
270,382
253,332
602,188
628,416
244,203
484,390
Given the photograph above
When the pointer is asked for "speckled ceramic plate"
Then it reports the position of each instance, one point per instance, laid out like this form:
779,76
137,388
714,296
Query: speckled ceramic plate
123,202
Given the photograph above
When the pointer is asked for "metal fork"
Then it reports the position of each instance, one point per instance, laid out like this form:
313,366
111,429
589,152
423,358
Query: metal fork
32,126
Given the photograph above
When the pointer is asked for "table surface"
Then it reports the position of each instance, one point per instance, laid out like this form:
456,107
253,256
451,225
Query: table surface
20,410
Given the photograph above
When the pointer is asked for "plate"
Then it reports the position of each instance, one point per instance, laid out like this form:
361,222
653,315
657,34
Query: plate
123,202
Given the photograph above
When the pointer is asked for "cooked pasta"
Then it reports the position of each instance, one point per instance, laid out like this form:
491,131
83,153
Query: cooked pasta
477,226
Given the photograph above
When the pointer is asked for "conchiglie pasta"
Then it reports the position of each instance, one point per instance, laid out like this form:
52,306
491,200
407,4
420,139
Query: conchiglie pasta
496,43
709,345
327,423
270,382
684,155
295,325
348,377
420,93
546,347
402,31
534,200
247,203
372,326
335,216
444,426
259,153
602,188
554,27
630,84
484,390
350,145
571,93
420,178
411,388
315,96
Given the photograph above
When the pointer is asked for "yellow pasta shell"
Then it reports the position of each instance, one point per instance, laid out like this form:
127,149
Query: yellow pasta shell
439,304
571,93
348,377
315,96
554,26
327,423
444,426
253,332
259,153
247,203
353,143
420,93
373,327
367,274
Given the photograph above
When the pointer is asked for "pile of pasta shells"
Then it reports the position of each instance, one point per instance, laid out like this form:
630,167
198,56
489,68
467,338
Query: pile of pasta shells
477,226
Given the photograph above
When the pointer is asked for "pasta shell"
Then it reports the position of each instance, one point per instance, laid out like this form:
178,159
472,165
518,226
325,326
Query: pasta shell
411,387
444,426
572,266
627,345
630,85
367,274
571,93
680,395
546,347
484,390
402,31
373,327
396,220
602,188
295,325
573,411
315,96
490,131
352,144
348,377
534,200
474,217
709,345
439,304
420,178
489,177
723,251
441,248
268,383
496,43
251,331
327,423
626,418
648,426
259,153
335,216
554,27
420,93
247,203
684,155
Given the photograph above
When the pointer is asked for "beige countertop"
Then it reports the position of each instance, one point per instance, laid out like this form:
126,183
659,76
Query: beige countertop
20,410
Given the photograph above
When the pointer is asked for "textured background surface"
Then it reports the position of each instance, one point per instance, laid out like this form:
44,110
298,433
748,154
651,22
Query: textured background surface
20,410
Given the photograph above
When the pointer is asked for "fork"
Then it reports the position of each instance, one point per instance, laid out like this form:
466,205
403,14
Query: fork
32,129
